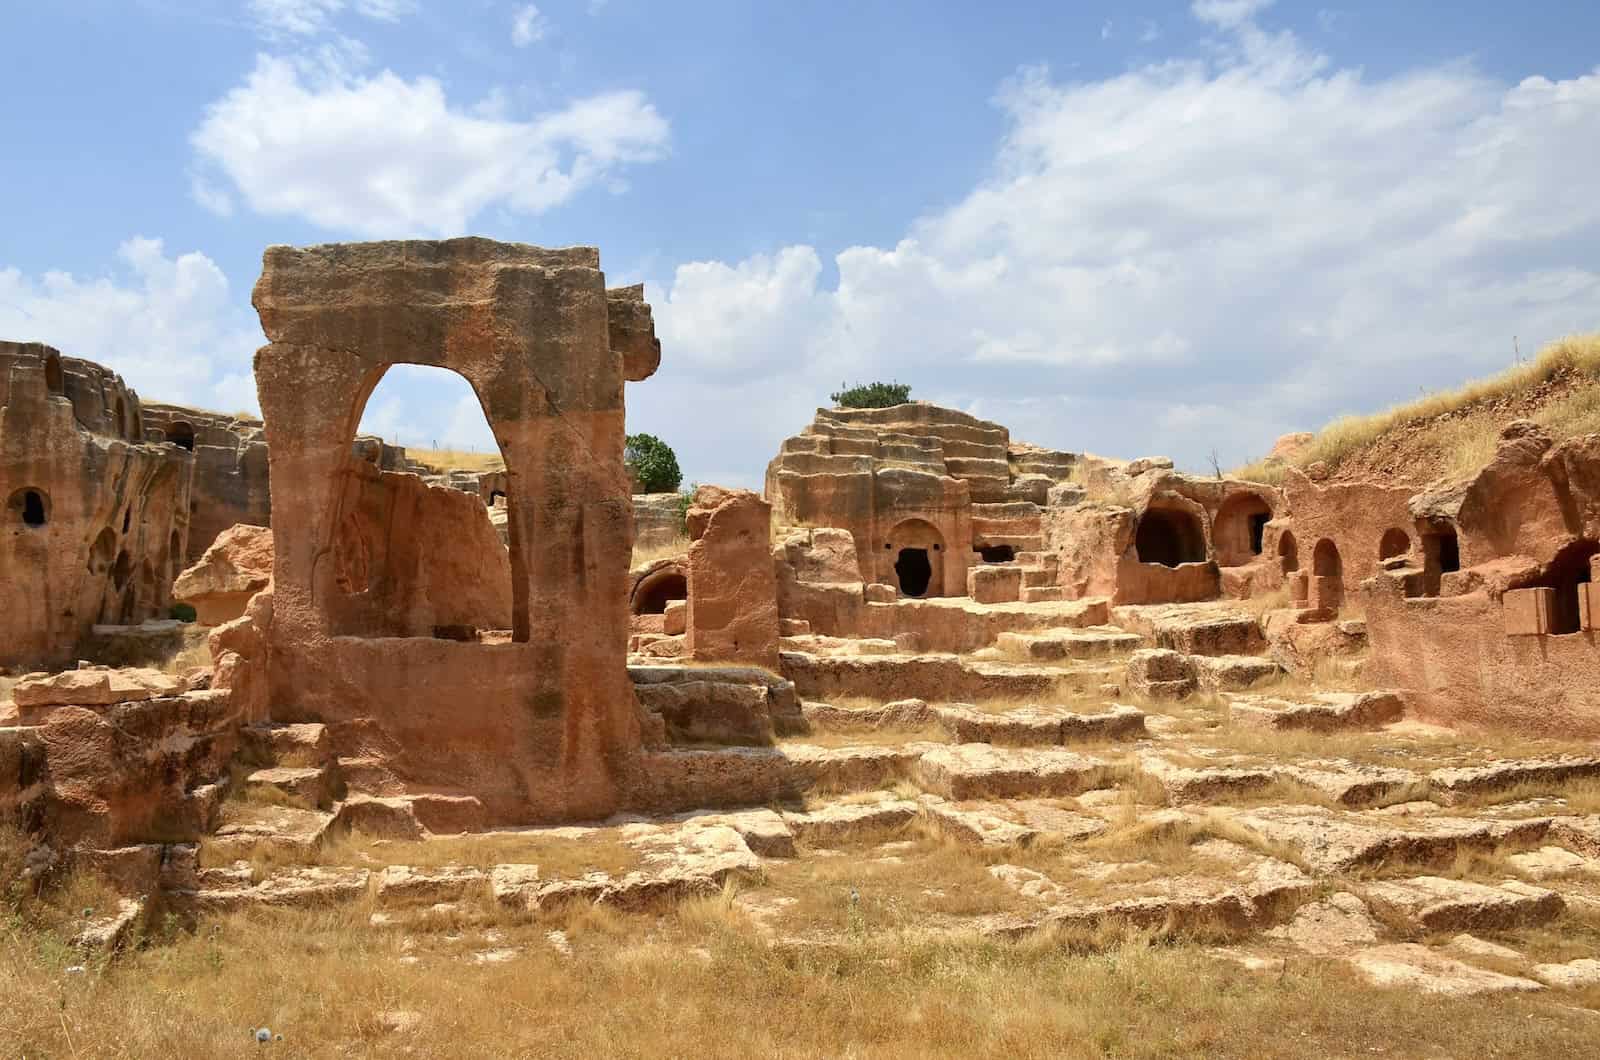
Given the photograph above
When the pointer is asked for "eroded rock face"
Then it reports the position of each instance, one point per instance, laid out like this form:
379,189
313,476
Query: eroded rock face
230,469
918,487
236,567
95,522
541,725
733,586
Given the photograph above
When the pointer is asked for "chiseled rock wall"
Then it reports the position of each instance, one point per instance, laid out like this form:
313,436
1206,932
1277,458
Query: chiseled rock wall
95,522
230,469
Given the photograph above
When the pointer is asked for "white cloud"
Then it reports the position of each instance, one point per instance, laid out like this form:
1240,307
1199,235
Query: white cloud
305,18
528,26
1190,254
1228,13
169,325
380,155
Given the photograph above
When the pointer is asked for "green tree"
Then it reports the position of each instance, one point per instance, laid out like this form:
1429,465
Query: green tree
872,395
652,463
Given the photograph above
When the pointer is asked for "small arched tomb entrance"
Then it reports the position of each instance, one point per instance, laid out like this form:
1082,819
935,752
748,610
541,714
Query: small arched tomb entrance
1170,536
1395,542
1240,528
181,434
1288,552
918,551
659,585
1327,576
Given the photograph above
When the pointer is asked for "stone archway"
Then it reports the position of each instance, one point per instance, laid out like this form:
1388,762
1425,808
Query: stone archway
1170,537
541,725
1239,530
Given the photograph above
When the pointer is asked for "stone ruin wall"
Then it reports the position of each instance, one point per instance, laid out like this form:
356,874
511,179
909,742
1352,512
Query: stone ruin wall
96,519
541,719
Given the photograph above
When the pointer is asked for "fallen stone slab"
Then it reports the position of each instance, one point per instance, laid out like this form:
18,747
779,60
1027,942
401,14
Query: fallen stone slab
1417,967
445,883
1060,645
307,785
1193,629
1331,841
1573,975
1580,834
1161,673
1040,725
1323,712
1453,783
279,832
1435,903
93,686
977,771
1206,783
849,822
107,934
297,888
295,744
909,714
1232,673
1353,785
1553,862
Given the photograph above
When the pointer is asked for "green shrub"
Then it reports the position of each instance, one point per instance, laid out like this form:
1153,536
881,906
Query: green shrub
652,463
871,395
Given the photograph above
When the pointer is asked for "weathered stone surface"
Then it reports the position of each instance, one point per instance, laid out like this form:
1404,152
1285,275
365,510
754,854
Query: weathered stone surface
1500,776
1336,924
236,567
93,686
977,771
445,883
849,822
95,519
1161,673
733,587
541,725
1324,712
1438,904
1573,975
1419,968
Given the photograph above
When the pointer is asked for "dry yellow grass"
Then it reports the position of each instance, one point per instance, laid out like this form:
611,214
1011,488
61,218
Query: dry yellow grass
1469,441
702,980
643,557
464,459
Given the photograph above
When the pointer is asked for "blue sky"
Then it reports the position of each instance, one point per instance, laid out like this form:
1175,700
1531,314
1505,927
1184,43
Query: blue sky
1127,228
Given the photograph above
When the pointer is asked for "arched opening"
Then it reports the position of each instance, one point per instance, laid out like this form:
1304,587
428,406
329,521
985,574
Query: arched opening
1239,529
119,411
918,550
1288,552
913,570
1567,572
1327,582
30,507
496,497
396,546
1395,542
656,590
1169,536
996,553
181,434
53,379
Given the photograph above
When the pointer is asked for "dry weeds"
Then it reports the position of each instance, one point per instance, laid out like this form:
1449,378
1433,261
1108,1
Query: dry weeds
1468,440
